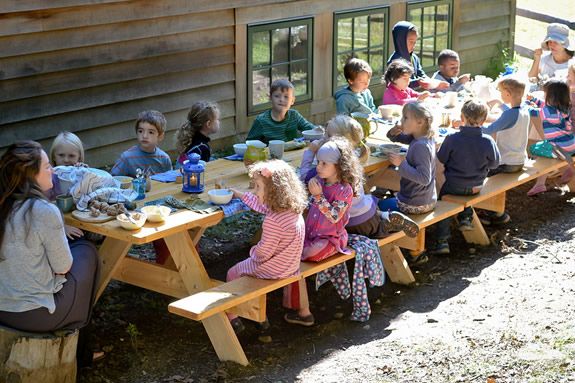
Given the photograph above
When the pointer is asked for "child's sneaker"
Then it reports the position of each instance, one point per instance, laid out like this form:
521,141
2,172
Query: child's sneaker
401,222
442,248
294,318
465,224
237,325
491,218
417,260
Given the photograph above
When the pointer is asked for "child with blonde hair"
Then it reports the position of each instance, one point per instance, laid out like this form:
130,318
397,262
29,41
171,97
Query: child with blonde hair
193,136
365,219
281,197
417,193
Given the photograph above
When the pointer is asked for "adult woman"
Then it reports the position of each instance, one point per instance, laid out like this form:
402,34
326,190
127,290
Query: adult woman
561,50
45,284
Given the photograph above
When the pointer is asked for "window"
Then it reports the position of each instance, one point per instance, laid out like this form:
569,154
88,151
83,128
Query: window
361,34
433,19
279,50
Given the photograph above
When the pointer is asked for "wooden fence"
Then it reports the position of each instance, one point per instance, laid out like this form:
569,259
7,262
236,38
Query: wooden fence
527,52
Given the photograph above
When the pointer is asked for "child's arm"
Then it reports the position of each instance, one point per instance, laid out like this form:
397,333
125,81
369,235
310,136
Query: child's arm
267,245
370,103
251,200
396,134
444,150
335,211
506,121
494,156
303,124
119,168
256,132
421,171
306,163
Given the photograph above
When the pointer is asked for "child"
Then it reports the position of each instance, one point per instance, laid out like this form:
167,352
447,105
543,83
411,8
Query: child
467,156
571,83
356,96
555,127
448,63
280,122
280,195
417,193
150,128
193,136
511,131
364,217
405,37
559,49
397,77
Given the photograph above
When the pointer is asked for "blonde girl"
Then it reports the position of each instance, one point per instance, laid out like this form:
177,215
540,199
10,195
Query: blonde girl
67,150
193,136
417,193
280,196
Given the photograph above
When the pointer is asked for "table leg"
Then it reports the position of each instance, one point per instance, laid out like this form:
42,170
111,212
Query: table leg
111,254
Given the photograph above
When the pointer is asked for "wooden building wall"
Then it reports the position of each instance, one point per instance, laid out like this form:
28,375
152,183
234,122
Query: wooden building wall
89,66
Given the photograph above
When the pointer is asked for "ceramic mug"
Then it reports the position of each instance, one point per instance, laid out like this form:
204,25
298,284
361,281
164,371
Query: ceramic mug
276,148
65,203
450,99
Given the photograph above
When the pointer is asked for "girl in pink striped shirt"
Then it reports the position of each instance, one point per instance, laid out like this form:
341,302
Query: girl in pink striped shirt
280,195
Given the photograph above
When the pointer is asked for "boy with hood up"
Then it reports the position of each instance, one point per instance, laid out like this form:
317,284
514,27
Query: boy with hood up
404,39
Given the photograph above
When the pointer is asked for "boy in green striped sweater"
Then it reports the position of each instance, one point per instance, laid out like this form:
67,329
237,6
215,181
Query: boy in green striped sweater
280,122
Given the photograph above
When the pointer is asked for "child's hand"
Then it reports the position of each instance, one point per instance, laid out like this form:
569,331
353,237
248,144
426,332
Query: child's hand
464,78
314,187
537,53
237,193
73,232
396,130
423,96
425,83
442,85
395,159
81,165
315,145
455,123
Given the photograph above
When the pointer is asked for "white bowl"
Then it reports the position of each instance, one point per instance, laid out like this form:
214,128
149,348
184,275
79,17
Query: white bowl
125,181
312,134
220,196
139,218
156,213
240,149
389,111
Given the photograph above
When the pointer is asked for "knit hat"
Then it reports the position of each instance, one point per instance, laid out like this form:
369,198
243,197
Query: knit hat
560,34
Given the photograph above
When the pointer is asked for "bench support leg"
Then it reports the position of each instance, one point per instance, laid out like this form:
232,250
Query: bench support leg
395,265
495,203
224,339
478,235
416,244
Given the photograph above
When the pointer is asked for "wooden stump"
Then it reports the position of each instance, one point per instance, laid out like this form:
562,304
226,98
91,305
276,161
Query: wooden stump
32,358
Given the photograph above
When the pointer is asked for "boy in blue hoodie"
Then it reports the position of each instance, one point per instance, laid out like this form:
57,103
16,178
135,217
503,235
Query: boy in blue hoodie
467,156
405,37
356,97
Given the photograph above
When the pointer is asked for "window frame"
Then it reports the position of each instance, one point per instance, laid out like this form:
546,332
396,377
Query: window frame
428,3
269,26
357,12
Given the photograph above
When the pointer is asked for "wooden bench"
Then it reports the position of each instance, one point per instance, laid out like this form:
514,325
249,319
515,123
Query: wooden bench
492,195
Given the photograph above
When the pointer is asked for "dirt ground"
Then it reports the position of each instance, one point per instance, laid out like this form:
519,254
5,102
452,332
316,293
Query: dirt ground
504,313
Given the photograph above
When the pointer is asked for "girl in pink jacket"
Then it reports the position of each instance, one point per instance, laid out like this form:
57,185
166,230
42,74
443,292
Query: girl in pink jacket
397,77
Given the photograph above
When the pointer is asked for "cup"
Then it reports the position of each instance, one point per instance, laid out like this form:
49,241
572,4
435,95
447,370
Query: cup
276,148
387,111
450,99
65,203
139,185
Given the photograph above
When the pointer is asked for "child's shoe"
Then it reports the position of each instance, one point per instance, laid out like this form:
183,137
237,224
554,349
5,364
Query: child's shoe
294,318
237,325
465,224
537,189
417,260
491,218
401,222
441,248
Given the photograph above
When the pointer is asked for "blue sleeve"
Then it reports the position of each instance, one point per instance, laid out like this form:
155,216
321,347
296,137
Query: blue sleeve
421,170
343,105
370,103
119,168
507,120
494,157
445,150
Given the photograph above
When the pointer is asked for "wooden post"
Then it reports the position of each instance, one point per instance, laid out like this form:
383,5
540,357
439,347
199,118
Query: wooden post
33,358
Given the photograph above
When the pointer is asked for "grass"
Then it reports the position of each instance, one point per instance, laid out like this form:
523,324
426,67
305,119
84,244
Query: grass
557,8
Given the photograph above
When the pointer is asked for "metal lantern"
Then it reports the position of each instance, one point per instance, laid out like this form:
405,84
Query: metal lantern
193,171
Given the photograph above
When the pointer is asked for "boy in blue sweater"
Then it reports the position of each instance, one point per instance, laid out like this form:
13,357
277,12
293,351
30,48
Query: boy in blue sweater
356,97
467,157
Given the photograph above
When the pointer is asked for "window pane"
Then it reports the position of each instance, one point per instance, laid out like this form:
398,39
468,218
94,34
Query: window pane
360,32
376,61
441,43
280,45
428,22
442,19
280,71
341,59
261,86
299,42
344,35
261,48
376,30
415,17
427,56
361,55
299,77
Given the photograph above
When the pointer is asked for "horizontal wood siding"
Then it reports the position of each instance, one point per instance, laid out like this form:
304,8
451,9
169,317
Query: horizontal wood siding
91,69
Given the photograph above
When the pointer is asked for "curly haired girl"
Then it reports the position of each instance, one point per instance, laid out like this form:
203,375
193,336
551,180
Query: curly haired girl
193,136
281,196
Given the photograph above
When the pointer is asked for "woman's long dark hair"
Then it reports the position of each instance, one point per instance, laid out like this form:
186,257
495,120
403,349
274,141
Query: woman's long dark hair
19,167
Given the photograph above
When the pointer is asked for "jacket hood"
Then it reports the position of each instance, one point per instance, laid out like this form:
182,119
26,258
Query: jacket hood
399,32
343,91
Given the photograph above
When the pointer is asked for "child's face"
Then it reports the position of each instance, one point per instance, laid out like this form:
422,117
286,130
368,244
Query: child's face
213,126
44,176
402,82
282,100
66,155
411,41
327,171
360,83
148,136
411,125
260,189
506,95
449,68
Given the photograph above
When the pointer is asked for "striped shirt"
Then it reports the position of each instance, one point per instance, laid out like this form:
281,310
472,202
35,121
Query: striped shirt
277,255
556,126
135,158
265,128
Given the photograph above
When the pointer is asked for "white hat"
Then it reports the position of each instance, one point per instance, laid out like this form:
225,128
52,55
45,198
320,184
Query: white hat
559,33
